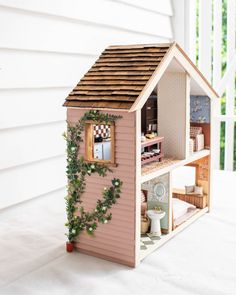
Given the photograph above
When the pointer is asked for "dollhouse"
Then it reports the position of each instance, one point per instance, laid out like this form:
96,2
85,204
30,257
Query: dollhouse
164,105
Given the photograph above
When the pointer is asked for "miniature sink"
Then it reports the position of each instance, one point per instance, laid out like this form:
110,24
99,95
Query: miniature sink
155,217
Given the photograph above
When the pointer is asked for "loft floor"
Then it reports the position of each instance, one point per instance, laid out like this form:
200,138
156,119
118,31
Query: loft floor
154,166
154,169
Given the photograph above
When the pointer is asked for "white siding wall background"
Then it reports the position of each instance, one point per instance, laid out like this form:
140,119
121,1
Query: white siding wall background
45,48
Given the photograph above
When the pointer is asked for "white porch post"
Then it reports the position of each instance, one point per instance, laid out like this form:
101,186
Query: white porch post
217,44
229,127
184,25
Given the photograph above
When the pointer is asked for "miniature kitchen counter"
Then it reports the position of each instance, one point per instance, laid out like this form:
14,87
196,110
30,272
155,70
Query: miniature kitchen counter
152,154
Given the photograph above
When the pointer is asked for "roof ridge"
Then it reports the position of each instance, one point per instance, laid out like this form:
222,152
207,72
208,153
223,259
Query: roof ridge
146,45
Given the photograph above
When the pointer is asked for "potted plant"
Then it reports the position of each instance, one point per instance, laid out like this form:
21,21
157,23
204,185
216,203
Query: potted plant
71,235
69,246
158,209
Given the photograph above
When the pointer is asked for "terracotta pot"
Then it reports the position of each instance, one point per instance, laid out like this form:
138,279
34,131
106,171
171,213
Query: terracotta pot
69,246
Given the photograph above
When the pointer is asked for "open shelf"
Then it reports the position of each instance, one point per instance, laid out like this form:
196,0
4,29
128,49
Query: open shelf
149,156
155,169
155,243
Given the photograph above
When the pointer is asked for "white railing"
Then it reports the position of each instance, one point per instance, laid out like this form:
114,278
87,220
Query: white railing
201,34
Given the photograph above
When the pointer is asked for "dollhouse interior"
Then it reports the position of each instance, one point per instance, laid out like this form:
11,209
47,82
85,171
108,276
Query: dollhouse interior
175,143
177,197
170,112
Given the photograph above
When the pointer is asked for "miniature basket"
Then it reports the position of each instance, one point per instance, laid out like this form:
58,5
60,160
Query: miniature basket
145,223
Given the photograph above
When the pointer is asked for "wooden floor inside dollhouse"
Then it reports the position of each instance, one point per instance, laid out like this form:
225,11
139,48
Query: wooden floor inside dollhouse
157,168
153,166
148,244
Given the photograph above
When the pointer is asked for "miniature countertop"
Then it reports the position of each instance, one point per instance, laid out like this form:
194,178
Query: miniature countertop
154,140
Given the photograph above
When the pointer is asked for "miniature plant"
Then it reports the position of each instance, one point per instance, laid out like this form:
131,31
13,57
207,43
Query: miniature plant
158,209
77,170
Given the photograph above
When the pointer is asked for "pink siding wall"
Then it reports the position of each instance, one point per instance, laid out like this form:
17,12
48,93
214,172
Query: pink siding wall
115,240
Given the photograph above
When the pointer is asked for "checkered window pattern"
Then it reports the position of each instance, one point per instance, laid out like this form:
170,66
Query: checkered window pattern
101,131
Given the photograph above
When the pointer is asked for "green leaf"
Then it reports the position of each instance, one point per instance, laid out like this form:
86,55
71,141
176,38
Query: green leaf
76,171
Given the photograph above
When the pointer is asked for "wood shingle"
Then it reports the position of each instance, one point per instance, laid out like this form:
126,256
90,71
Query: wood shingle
118,77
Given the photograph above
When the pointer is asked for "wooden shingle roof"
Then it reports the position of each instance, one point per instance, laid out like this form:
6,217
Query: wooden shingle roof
117,77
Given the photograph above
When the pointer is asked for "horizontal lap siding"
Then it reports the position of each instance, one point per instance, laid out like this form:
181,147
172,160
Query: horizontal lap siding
24,182
29,116
116,238
17,152
45,49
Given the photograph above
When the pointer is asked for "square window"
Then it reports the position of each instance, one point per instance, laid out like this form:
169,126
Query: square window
100,142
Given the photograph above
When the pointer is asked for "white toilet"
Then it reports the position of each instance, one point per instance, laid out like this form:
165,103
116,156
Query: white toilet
155,217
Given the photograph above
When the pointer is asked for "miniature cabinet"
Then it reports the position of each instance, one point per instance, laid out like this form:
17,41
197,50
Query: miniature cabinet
102,150
149,115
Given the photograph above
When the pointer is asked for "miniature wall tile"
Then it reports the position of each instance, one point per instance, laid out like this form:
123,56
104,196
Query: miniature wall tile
199,109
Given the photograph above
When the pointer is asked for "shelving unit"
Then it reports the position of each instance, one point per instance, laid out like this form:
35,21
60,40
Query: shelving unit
149,143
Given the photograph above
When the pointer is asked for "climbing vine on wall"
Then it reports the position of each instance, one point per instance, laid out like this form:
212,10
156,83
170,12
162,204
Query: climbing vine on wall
77,170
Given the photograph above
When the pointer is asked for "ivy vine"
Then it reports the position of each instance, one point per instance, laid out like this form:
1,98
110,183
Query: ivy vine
77,170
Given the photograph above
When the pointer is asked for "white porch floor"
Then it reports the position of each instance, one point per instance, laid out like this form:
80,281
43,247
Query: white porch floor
199,260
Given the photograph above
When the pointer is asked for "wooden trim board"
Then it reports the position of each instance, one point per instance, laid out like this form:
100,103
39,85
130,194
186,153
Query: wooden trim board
187,115
211,164
193,71
170,205
138,187
152,82
174,51
99,109
139,46
198,72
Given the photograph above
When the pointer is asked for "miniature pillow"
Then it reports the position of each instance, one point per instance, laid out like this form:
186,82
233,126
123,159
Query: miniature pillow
180,207
195,131
198,190
189,189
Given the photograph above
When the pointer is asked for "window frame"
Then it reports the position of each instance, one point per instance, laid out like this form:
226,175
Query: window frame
89,142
